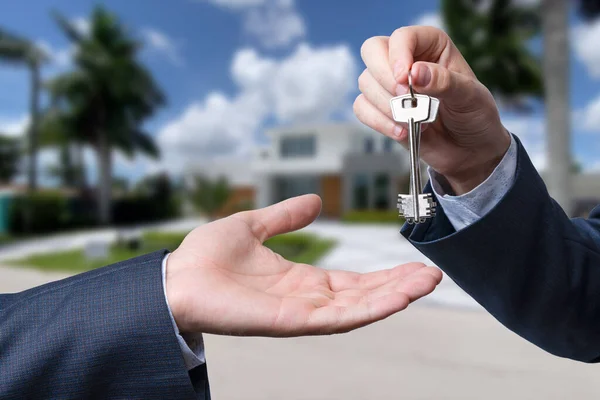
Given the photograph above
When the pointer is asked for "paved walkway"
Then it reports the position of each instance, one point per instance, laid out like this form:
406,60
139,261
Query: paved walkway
360,248
424,352
14,279
365,248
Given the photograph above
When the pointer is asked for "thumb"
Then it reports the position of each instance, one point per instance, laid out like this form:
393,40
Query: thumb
286,216
438,81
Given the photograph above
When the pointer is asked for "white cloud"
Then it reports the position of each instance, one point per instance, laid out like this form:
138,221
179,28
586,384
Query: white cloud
585,38
430,19
589,117
302,87
274,23
15,126
60,57
163,44
306,87
595,167
532,132
82,24
217,126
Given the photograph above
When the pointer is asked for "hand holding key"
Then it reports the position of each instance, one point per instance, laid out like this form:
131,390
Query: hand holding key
467,140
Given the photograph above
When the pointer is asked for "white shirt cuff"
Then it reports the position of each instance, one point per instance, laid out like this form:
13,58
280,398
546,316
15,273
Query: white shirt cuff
468,208
192,345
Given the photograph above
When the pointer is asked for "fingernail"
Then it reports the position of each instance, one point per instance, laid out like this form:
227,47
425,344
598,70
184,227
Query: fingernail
401,90
423,76
397,131
398,70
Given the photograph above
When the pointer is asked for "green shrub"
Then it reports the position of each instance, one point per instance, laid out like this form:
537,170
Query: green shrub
46,212
373,217
297,247
300,247
162,240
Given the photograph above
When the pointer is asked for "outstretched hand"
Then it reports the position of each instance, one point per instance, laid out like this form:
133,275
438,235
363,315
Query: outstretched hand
222,280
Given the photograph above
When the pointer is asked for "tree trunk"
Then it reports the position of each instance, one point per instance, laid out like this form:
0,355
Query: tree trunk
104,186
34,113
555,19
32,139
78,163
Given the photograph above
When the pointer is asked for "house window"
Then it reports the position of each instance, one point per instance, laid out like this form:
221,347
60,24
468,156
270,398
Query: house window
369,145
382,185
388,144
287,187
298,146
360,192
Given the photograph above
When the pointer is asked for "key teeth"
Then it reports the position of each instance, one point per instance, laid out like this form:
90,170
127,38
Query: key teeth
429,211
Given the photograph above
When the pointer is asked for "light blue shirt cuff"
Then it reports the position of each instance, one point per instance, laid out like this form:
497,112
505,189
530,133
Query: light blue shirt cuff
468,208
192,345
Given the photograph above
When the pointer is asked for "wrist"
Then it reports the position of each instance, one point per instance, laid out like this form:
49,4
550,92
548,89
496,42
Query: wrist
173,293
487,158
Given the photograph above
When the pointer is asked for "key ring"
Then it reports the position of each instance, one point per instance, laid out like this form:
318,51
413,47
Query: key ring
410,88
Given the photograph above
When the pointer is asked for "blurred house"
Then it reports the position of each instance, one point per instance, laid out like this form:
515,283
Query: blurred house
349,166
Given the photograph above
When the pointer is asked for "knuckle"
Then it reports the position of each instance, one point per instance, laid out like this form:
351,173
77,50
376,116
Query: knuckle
401,31
382,126
370,44
365,47
444,80
357,106
363,80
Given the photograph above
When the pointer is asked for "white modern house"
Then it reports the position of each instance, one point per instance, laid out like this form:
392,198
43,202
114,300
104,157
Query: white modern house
349,166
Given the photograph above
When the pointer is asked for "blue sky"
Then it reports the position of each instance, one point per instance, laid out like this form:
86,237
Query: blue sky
232,68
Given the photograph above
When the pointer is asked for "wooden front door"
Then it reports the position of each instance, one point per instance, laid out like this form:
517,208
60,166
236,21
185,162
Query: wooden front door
331,191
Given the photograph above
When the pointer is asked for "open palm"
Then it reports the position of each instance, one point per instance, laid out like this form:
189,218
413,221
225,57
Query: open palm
223,280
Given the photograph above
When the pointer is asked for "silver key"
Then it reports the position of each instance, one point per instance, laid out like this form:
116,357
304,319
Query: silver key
414,110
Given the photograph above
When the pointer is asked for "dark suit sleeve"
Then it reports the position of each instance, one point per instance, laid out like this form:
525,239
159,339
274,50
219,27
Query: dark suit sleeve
528,264
101,334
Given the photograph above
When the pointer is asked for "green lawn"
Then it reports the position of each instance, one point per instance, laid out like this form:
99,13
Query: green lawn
373,217
297,247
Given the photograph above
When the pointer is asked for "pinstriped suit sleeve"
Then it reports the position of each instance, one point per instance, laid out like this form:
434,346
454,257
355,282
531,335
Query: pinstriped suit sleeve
101,334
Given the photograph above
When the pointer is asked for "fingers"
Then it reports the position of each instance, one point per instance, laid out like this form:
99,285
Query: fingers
438,81
375,53
376,94
375,119
286,216
394,296
422,43
341,319
420,283
346,280
411,43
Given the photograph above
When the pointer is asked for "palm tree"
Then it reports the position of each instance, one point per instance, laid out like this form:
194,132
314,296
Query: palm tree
106,99
10,153
19,50
506,28
54,132
494,40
